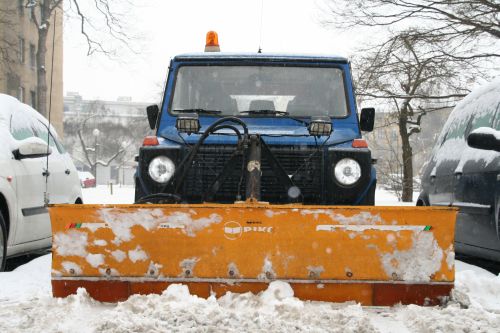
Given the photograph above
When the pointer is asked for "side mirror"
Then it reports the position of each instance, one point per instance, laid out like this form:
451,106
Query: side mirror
367,119
31,148
152,112
484,138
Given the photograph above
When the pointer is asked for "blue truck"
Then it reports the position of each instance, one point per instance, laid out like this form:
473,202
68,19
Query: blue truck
269,127
243,183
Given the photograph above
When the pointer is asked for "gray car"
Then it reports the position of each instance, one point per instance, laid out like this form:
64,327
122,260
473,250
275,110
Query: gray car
464,172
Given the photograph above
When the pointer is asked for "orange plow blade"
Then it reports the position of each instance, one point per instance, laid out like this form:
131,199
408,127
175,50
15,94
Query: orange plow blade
371,255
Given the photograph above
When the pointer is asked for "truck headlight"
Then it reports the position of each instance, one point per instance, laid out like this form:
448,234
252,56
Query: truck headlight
347,171
161,169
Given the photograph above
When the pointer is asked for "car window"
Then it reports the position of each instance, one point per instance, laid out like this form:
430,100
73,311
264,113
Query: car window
483,120
458,128
497,118
41,131
21,126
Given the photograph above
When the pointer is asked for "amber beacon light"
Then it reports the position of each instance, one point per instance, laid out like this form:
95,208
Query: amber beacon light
212,43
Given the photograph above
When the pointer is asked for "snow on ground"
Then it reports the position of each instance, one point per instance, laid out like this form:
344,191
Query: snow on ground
386,198
102,194
125,194
26,305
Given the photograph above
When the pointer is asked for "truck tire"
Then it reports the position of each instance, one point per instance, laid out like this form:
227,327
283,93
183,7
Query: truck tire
3,244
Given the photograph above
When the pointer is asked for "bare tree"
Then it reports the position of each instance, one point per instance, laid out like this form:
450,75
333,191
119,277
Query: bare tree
465,23
97,137
9,50
430,51
87,12
409,72
386,146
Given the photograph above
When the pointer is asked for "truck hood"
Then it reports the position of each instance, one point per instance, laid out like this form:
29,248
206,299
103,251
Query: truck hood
282,135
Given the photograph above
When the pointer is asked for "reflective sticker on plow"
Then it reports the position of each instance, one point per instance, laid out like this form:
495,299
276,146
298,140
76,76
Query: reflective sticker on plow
329,227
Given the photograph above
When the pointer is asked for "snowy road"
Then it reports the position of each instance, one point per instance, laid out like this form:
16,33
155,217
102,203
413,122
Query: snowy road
26,305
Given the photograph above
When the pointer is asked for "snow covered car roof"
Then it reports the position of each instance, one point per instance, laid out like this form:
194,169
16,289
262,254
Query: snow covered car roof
8,107
260,56
482,102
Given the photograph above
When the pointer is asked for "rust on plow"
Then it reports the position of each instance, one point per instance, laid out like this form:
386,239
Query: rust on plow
377,294
371,255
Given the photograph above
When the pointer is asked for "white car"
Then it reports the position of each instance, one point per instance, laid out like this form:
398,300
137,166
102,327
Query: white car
25,180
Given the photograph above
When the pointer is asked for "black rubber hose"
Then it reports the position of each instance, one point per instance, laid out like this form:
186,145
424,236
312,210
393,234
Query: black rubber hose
159,198
231,127
189,158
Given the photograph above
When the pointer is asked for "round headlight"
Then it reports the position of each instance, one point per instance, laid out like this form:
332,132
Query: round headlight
161,169
347,171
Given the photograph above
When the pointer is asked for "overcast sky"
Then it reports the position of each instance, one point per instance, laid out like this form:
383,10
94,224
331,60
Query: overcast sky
172,27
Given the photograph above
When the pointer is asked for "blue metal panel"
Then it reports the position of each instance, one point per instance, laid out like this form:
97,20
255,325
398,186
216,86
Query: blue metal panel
228,56
275,130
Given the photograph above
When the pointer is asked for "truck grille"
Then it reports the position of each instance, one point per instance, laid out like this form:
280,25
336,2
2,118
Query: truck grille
304,162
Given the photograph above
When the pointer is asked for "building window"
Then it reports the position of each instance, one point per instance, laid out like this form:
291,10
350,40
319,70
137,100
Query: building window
32,56
21,94
21,50
31,10
33,99
20,7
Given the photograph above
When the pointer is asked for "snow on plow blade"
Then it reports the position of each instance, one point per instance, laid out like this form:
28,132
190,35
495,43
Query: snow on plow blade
371,255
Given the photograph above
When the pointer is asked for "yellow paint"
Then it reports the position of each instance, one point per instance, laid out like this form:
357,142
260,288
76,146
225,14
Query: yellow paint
247,241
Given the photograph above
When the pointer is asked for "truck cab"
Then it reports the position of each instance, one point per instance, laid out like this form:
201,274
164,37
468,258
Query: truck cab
270,127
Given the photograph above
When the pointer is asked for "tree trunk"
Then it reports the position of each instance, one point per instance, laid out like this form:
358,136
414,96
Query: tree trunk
41,57
407,154
41,72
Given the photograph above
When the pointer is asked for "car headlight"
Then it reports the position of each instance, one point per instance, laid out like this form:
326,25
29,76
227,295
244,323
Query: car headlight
347,171
161,169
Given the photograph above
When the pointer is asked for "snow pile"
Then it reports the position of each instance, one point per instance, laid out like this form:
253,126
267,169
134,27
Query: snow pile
482,287
476,307
29,281
274,310
26,305
448,319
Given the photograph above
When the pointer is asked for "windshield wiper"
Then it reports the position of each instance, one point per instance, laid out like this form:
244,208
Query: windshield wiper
283,114
265,111
203,111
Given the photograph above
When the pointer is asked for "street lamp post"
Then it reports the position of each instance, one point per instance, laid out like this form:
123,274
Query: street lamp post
95,133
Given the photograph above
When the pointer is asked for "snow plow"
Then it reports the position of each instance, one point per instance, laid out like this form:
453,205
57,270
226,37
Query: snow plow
257,172
371,255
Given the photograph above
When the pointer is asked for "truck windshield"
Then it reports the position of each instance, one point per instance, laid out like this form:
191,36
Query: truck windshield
270,90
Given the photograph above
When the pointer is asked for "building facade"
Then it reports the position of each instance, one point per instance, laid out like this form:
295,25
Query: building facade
18,64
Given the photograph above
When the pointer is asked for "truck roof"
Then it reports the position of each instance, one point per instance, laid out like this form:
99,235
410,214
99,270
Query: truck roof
260,56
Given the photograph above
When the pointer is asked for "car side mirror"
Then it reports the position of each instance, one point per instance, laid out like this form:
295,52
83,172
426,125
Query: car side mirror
152,112
484,138
367,119
31,148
